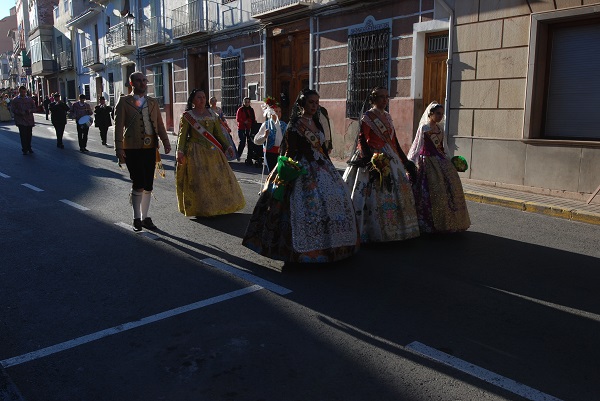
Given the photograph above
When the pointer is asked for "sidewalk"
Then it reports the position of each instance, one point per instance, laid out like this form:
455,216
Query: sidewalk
525,201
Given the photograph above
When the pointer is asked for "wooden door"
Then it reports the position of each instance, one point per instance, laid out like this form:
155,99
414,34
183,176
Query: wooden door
434,76
291,64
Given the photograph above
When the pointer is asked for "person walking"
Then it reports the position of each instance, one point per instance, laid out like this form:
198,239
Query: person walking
245,118
206,185
271,132
439,195
304,213
79,110
103,118
22,107
377,176
138,126
46,104
58,117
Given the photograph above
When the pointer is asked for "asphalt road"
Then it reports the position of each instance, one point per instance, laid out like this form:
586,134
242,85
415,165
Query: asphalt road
90,310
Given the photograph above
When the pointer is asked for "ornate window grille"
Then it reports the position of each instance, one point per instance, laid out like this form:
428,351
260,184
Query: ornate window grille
368,66
230,85
437,44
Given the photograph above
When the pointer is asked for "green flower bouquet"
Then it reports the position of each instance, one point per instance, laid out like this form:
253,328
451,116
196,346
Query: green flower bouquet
460,163
287,171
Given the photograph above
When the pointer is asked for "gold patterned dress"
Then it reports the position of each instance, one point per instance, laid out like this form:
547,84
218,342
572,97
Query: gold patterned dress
439,195
4,112
206,185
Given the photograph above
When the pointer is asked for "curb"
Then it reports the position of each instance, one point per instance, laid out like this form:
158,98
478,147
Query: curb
582,216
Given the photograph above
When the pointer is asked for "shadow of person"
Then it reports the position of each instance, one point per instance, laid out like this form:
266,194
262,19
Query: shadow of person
233,224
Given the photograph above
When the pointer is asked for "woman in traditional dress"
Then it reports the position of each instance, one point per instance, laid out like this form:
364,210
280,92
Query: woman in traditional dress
312,220
206,185
4,112
224,126
381,190
439,195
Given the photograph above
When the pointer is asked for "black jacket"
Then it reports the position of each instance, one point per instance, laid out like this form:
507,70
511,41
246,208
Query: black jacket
102,116
59,113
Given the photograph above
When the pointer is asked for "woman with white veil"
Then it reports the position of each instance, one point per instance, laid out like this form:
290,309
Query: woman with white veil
439,195
378,179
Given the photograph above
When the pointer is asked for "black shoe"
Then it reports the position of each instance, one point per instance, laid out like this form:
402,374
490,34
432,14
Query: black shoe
81,150
30,150
61,146
24,153
85,150
104,143
137,225
147,223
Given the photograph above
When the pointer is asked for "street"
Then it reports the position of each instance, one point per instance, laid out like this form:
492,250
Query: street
91,310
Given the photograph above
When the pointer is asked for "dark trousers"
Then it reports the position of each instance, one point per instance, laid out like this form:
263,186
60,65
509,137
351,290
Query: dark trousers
271,160
141,164
82,135
103,134
60,130
244,135
25,132
47,112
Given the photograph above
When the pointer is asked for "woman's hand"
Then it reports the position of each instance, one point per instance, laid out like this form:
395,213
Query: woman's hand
180,157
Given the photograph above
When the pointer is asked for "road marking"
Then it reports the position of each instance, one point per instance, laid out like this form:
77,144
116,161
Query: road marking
481,373
33,187
75,205
17,360
4,175
277,289
146,234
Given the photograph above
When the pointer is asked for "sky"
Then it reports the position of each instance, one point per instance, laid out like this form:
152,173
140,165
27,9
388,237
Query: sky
5,6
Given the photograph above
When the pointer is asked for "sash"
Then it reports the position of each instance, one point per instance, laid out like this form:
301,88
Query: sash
311,137
382,129
194,123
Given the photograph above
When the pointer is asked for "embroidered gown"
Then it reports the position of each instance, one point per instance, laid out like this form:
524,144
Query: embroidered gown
439,195
315,222
4,112
385,209
206,185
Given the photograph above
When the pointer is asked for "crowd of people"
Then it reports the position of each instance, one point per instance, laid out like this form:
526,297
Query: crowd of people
306,212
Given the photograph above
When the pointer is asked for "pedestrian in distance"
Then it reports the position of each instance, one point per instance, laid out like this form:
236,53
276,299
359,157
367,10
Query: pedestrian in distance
138,128
46,104
79,110
224,126
206,185
4,108
245,118
270,133
439,196
103,118
23,107
304,213
377,176
58,117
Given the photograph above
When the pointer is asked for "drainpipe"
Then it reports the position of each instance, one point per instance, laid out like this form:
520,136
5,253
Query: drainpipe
449,63
311,50
264,62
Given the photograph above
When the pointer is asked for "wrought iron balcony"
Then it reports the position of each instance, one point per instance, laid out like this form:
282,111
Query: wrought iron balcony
192,18
121,38
65,61
151,33
89,58
269,8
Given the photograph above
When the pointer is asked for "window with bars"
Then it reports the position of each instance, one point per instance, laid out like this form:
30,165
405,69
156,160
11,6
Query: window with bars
368,67
437,44
230,85
158,84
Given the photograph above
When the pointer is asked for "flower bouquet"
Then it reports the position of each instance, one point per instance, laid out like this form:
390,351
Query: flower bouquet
460,163
287,171
380,163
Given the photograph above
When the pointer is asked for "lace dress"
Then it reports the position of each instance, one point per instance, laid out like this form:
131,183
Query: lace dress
315,222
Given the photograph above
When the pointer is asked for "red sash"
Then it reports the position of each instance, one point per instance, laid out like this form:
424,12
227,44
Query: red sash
201,130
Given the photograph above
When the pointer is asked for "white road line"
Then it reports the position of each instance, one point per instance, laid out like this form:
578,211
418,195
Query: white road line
277,289
17,360
75,205
481,373
4,175
146,234
33,187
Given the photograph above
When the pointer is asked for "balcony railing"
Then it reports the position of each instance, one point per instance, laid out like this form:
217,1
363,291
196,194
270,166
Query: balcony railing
121,38
65,61
151,32
192,18
89,56
264,8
